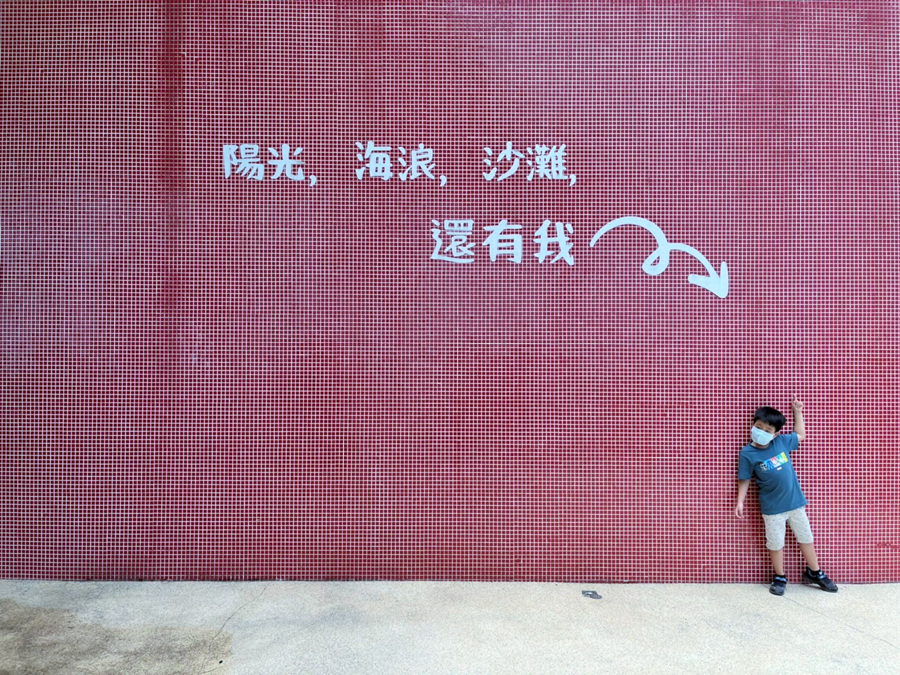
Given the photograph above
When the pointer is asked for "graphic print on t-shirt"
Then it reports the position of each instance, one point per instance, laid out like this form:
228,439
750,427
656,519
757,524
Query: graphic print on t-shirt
774,462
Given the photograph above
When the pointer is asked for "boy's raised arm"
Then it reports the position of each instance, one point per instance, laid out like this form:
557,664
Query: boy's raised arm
797,409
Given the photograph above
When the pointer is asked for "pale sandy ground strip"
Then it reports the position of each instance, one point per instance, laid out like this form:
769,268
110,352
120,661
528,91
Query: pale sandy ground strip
444,627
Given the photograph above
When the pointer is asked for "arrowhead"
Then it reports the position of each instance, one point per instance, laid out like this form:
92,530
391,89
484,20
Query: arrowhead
717,284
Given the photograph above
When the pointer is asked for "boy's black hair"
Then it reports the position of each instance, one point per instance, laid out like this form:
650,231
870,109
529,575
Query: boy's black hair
770,416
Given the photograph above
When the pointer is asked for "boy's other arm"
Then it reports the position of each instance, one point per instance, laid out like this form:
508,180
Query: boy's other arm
797,409
742,494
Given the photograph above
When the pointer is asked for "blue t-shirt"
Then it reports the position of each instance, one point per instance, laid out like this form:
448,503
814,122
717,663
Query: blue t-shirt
779,489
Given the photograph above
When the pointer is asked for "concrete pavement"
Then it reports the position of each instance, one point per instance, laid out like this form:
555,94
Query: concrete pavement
419,627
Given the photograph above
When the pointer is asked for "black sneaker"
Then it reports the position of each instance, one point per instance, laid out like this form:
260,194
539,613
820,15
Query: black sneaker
778,584
819,579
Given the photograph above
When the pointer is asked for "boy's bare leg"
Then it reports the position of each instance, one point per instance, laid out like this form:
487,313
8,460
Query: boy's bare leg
809,552
778,561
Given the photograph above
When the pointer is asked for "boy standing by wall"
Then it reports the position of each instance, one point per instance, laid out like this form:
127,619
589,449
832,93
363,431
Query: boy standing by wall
781,500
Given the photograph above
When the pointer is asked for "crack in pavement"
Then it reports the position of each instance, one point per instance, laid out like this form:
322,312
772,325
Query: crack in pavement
846,625
222,627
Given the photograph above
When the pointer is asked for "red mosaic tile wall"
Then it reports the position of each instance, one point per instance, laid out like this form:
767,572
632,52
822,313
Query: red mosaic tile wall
340,290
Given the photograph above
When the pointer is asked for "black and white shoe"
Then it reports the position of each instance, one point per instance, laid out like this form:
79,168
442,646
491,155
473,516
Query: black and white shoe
819,579
778,584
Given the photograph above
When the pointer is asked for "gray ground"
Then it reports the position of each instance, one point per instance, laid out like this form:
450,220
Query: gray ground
443,627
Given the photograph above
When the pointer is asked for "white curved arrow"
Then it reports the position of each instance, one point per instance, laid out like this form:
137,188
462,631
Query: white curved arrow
657,262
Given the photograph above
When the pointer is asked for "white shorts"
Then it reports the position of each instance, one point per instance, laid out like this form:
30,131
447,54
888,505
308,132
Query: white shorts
775,528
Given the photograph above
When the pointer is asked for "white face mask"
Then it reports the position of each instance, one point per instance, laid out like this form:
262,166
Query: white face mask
760,437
